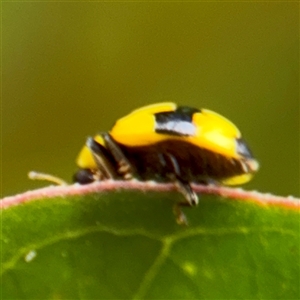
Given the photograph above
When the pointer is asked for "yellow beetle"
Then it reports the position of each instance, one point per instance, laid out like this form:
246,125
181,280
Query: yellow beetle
169,143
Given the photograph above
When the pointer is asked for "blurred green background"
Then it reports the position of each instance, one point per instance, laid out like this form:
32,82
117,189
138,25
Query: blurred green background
71,69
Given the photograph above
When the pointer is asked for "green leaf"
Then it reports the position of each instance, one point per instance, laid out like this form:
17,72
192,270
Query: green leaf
127,245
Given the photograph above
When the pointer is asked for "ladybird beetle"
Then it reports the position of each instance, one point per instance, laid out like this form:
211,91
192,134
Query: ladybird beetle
169,143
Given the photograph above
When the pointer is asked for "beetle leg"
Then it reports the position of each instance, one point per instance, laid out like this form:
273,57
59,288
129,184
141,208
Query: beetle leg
101,157
191,198
181,218
125,169
183,185
187,191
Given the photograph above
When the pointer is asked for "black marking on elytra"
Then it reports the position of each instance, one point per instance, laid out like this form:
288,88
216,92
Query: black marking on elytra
243,149
178,122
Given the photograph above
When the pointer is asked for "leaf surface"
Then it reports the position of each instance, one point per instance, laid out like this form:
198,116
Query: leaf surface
127,245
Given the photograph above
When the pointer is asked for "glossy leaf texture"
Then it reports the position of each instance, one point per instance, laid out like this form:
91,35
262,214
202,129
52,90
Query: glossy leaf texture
127,245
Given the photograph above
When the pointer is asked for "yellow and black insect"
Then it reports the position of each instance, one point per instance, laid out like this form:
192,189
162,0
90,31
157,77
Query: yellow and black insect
169,143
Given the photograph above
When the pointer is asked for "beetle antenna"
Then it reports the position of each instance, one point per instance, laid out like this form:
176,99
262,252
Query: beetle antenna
46,177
